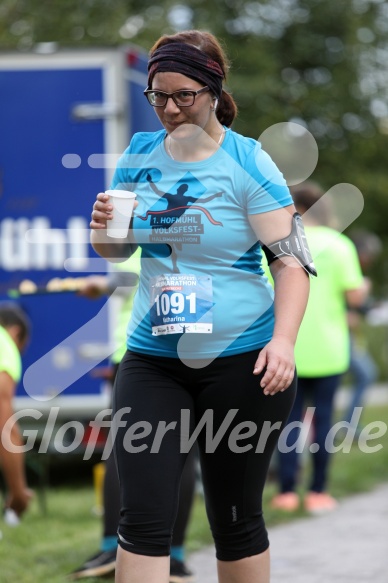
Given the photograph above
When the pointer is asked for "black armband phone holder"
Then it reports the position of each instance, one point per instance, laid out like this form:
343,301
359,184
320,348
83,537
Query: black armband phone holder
295,245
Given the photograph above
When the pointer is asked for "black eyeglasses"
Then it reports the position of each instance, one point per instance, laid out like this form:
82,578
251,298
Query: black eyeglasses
181,98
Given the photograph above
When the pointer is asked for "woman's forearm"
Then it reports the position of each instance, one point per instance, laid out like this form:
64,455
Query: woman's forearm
114,250
292,287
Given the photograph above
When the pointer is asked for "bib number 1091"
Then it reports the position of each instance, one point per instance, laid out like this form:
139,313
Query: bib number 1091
175,303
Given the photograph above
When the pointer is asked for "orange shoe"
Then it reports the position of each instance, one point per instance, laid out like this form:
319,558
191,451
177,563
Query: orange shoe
288,502
319,503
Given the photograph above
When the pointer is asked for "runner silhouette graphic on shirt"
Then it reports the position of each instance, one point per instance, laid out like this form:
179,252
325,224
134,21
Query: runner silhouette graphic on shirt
179,203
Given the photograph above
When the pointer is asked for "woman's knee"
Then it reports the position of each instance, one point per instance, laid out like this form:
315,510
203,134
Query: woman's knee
241,538
144,538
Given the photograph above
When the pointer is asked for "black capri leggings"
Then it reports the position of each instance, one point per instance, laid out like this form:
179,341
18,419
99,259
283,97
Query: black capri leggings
160,396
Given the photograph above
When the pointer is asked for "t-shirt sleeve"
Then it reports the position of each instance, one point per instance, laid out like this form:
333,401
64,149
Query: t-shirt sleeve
267,189
349,272
122,177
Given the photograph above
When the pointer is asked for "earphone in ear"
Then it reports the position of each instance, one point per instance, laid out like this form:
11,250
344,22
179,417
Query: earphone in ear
215,104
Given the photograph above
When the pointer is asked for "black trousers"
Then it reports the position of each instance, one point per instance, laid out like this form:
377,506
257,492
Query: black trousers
111,494
161,402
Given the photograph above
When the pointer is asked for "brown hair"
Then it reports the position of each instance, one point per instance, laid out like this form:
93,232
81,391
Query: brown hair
305,196
12,315
208,44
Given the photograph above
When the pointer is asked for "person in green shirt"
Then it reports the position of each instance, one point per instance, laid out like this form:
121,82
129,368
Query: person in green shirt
14,333
123,280
322,350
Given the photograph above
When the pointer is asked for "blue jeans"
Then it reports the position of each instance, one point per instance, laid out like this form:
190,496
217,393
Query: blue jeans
364,373
320,391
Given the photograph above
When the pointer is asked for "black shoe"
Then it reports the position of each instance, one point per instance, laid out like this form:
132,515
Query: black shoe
100,564
179,573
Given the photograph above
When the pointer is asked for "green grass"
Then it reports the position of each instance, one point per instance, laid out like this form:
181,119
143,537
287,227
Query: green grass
44,548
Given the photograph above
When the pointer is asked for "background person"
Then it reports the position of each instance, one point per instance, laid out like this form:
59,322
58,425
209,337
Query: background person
235,356
362,368
124,280
322,351
14,334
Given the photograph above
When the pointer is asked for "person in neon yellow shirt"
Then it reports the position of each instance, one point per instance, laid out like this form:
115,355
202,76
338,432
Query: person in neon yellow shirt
124,279
322,350
14,332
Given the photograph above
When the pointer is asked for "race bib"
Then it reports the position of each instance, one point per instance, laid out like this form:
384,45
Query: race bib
181,304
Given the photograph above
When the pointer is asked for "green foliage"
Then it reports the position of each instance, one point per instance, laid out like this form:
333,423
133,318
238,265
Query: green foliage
312,61
376,341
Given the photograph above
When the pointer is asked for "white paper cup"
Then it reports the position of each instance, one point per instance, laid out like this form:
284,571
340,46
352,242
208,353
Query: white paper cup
122,202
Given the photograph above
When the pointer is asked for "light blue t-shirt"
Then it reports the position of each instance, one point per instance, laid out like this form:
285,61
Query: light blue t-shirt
202,290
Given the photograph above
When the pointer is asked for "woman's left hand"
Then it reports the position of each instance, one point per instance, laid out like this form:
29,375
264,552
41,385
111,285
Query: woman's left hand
277,357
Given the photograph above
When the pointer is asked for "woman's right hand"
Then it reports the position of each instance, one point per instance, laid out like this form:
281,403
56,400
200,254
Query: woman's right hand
102,212
115,250
19,501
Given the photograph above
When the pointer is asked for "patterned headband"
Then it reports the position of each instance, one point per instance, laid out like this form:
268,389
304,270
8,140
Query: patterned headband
189,61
